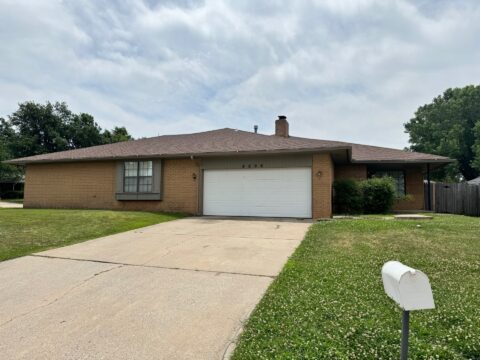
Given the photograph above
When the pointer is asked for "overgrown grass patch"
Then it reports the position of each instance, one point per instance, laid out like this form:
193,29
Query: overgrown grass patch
23,231
329,302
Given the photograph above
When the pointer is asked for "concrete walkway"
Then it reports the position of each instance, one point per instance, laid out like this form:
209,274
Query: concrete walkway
177,290
6,204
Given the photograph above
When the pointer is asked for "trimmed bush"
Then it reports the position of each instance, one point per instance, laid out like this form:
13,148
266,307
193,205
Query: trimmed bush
348,197
378,195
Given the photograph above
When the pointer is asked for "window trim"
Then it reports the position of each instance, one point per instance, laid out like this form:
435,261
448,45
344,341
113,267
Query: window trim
156,187
138,196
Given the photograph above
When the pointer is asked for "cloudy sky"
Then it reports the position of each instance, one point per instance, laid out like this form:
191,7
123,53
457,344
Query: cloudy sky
343,70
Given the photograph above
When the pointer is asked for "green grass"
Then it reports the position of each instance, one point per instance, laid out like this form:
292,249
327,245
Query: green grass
329,302
23,231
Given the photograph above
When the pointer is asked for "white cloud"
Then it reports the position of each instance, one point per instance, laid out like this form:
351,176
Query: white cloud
352,70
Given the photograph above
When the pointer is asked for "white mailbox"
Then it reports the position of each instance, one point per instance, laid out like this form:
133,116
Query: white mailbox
408,287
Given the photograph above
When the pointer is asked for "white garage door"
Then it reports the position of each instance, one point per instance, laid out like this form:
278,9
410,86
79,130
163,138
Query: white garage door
258,192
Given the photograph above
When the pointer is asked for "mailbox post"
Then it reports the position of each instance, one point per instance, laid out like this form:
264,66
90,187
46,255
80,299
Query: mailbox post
411,290
405,331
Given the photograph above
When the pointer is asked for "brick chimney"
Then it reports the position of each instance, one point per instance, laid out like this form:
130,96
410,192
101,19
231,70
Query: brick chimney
281,126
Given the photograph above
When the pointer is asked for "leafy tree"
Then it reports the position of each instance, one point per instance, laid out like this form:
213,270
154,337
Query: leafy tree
476,146
450,126
116,135
83,131
8,173
37,129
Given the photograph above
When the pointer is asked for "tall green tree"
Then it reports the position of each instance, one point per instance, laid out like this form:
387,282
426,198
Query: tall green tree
476,146
450,126
8,173
39,128
83,131
43,128
116,135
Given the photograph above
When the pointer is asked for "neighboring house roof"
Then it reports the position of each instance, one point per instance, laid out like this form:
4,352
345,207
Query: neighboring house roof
227,142
475,181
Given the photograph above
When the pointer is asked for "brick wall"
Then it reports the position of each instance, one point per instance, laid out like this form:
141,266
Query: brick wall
414,188
351,171
91,185
70,185
322,173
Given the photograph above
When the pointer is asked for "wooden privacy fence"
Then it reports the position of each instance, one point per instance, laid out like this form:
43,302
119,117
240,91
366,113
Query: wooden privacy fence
459,198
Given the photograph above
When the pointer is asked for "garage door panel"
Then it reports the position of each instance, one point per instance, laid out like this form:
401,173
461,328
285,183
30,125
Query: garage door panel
258,192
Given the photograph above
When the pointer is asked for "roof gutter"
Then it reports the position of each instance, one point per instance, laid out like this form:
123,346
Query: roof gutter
416,161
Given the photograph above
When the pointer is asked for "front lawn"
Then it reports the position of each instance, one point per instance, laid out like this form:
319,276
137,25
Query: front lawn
329,302
23,231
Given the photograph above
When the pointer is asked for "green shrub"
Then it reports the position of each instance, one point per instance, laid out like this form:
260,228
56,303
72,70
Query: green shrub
378,195
12,195
372,196
348,197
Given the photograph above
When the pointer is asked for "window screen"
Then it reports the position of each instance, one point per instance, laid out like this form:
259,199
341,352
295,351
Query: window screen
145,176
138,176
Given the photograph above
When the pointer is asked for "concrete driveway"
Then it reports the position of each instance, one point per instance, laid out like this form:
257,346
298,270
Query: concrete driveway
177,290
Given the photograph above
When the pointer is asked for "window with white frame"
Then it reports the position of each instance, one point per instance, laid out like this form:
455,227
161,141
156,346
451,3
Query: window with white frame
398,177
138,177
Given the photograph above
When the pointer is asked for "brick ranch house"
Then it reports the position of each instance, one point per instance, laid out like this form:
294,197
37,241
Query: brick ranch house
221,172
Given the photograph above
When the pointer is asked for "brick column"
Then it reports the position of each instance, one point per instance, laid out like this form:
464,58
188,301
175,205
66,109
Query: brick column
322,180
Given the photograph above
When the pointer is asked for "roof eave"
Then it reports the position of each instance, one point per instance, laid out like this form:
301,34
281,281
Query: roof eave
176,156
397,161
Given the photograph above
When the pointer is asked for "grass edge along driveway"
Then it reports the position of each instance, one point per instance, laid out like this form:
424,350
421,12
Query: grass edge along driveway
24,231
329,303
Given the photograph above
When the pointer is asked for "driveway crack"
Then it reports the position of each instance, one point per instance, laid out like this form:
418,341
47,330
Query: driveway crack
81,283
158,266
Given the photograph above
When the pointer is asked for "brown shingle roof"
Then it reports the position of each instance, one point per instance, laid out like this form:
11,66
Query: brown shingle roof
368,153
225,142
